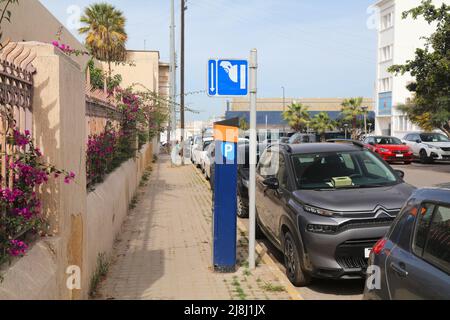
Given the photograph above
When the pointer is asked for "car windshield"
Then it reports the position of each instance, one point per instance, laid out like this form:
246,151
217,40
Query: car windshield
433,137
352,169
387,141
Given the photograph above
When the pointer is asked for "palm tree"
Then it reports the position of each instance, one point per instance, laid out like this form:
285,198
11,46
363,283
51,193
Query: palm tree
297,116
322,123
351,110
105,33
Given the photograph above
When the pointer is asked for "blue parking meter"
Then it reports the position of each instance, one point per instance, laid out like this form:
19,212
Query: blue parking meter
226,135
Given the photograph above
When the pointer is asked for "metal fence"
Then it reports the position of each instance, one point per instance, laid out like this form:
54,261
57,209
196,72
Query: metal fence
16,97
101,107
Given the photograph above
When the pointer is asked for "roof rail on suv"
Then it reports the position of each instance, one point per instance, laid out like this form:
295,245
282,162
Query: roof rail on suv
354,142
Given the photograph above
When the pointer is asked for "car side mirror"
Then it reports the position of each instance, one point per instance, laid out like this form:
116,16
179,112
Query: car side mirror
418,141
372,143
272,183
400,173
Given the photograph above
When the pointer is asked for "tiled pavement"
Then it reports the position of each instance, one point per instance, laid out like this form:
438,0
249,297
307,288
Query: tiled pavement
164,250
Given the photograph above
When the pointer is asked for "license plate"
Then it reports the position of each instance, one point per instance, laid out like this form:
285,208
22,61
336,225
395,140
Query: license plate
399,155
367,252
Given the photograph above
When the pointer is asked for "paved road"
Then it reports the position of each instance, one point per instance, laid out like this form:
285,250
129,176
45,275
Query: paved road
419,175
426,175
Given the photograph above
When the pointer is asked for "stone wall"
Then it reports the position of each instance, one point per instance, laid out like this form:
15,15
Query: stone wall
80,225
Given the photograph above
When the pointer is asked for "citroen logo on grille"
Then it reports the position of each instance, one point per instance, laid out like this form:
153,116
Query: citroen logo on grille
382,214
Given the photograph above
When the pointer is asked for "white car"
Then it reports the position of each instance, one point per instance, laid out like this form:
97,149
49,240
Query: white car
429,146
199,150
208,160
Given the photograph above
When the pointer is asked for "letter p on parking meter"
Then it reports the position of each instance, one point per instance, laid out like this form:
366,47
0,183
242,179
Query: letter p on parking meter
226,135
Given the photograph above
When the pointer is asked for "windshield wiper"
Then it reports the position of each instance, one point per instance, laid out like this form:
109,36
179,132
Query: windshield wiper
379,185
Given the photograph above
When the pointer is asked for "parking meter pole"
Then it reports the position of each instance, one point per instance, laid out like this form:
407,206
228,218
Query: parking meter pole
253,66
226,135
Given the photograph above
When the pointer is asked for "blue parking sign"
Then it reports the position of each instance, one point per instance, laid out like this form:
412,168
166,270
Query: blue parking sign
227,77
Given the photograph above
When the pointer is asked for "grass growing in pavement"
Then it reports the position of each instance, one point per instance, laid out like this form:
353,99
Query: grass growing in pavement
101,272
133,202
272,288
238,289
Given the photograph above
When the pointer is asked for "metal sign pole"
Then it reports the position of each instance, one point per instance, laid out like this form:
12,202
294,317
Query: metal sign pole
253,66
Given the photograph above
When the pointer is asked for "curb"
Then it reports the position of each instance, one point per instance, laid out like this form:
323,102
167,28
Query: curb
267,259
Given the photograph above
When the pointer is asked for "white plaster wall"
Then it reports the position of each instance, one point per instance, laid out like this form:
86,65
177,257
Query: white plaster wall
107,206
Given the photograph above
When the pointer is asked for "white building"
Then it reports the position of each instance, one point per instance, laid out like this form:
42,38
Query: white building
398,40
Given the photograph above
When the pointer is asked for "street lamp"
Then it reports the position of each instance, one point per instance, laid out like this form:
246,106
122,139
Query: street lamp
365,119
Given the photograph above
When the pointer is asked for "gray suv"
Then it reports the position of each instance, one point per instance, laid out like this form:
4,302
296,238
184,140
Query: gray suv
325,206
413,260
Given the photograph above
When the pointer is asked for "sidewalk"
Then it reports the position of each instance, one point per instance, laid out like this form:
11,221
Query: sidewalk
164,251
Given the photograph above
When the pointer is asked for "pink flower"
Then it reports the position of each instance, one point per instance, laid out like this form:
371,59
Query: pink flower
17,248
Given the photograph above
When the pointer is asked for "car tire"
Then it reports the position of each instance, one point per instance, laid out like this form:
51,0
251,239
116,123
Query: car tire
259,234
424,157
242,210
292,262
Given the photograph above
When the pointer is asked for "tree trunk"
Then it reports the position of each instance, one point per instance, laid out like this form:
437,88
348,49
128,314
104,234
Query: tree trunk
109,71
446,129
354,124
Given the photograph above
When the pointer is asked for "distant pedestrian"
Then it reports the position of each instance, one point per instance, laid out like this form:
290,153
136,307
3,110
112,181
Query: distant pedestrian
175,155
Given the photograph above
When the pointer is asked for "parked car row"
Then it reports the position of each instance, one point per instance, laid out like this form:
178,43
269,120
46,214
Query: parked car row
334,209
427,147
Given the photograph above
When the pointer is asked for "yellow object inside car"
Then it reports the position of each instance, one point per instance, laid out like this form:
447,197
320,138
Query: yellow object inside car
341,182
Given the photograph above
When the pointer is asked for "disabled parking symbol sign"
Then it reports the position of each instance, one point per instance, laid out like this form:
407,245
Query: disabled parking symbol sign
227,77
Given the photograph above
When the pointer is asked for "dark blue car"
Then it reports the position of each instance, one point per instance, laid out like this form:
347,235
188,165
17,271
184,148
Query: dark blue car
413,260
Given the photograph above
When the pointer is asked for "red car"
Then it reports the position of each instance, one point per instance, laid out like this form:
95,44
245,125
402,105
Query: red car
391,149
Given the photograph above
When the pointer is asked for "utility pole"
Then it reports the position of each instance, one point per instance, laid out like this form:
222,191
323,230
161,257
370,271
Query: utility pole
173,74
253,65
284,108
182,69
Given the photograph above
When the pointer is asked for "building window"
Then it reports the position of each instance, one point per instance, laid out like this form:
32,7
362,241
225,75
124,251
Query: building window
385,85
386,53
387,21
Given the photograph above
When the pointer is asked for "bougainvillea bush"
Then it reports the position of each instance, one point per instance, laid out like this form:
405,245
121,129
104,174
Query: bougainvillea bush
20,207
101,150
142,118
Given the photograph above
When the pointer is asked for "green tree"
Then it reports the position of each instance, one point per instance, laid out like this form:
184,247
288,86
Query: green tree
297,116
105,33
243,125
351,110
430,105
322,123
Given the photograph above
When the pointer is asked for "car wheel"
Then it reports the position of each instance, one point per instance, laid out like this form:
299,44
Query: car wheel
259,234
242,209
294,269
424,157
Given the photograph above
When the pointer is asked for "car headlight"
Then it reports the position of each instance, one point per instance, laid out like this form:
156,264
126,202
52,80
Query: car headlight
319,211
384,150
432,147
319,228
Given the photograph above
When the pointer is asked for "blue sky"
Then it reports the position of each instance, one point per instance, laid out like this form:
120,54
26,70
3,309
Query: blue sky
314,48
